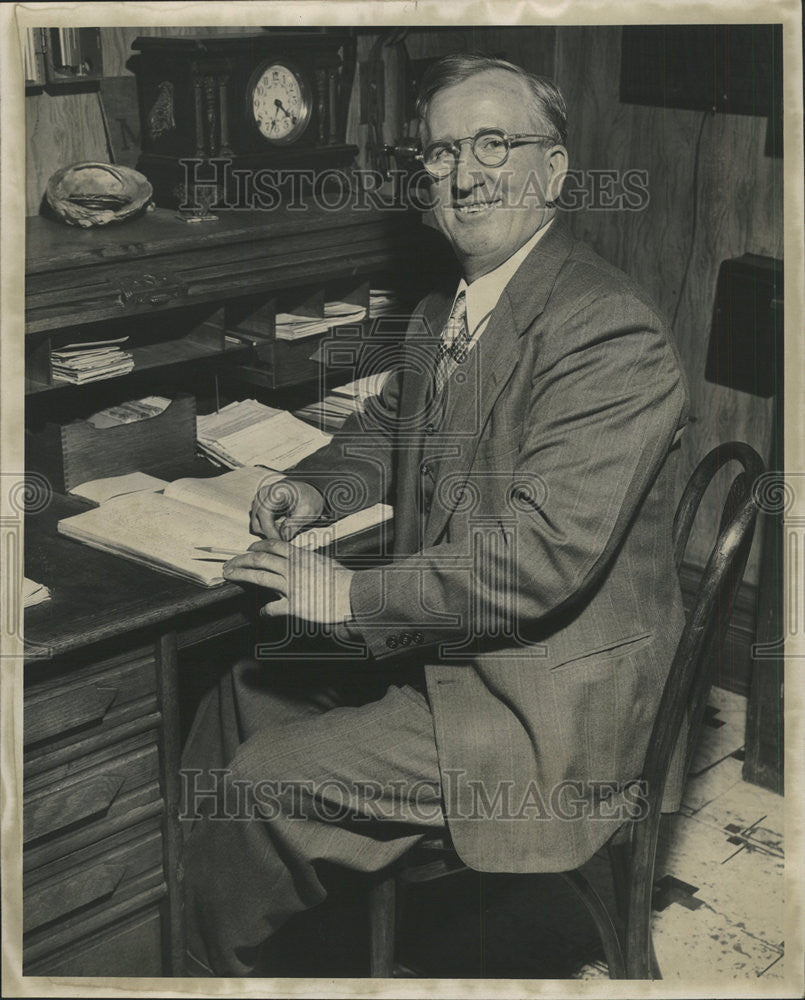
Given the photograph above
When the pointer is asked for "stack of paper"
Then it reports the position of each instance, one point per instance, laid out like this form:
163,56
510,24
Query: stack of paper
290,326
383,301
249,433
90,361
129,412
33,593
332,411
339,313
363,388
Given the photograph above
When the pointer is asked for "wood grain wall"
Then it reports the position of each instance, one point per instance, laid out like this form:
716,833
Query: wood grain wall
532,48
66,128
739,193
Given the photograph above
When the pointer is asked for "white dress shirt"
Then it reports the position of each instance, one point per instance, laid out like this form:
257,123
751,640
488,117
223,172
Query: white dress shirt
484,292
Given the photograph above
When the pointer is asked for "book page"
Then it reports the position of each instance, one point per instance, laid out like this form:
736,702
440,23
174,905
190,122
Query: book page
107,487
161,533
319,537
230,494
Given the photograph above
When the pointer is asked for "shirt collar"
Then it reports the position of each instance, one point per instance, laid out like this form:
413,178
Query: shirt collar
484,292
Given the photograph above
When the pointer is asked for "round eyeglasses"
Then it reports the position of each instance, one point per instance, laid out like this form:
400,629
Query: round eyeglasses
490,147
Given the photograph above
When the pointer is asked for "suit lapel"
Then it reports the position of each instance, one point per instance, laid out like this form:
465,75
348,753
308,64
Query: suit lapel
491,363
420,349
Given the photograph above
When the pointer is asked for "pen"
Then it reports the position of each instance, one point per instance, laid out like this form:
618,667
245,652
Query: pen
219,552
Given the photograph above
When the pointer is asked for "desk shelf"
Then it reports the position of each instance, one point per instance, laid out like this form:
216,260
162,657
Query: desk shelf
159,270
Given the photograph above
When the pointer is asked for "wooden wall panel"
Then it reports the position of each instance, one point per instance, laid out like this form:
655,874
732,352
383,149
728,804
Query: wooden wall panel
532,48
60,130
66,128
739,210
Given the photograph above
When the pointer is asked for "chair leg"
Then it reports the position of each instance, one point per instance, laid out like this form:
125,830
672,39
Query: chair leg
649,967
642,963
654,965
382,919
603,922
619,865
641,959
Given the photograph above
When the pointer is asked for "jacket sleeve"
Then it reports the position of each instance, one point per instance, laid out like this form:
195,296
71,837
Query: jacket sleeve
356,469
597,428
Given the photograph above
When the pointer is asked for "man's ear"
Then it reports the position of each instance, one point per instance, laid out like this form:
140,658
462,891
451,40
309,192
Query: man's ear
556,162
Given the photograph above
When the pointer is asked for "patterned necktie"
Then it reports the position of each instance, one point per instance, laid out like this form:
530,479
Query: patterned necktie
454,342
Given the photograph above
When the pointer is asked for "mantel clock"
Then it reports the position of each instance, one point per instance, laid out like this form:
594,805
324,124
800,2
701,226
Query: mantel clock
213,106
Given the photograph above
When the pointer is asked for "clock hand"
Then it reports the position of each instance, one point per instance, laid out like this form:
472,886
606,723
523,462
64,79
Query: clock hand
280,107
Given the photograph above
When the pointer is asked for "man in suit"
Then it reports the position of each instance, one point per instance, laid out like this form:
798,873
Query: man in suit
511,656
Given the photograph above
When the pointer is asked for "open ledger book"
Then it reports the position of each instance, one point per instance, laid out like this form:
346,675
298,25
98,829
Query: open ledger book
165,530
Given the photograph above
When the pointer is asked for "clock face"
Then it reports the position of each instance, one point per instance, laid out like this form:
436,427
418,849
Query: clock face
280,102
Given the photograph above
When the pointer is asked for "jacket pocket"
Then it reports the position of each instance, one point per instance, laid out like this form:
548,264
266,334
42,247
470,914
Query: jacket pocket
622,647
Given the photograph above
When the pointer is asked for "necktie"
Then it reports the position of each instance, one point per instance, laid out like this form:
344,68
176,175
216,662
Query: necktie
454,342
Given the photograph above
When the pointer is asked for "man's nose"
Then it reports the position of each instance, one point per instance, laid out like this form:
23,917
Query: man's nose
468,173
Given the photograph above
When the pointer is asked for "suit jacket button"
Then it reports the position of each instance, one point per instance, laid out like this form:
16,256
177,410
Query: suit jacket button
425,470
418,637
405,639
391,642
430,429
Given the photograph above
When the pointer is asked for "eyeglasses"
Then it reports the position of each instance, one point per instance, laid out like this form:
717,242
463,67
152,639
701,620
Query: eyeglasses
490,147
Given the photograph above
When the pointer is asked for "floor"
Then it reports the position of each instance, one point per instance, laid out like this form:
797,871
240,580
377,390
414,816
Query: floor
718,898
719,873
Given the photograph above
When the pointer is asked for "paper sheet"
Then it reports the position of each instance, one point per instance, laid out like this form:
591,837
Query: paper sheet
33,593
101,490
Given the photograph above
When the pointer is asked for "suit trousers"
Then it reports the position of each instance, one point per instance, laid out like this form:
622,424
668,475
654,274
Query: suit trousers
287,777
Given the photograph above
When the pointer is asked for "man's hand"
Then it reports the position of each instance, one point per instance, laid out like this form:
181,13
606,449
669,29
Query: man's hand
282,509
311,587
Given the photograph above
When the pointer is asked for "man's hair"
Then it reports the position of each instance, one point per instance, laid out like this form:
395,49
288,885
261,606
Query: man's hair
549,105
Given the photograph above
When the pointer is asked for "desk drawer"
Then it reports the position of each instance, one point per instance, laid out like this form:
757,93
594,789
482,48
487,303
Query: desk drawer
99,791
75,702
131,946
61,897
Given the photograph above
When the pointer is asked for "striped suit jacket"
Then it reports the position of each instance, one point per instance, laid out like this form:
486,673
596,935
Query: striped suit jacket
533,574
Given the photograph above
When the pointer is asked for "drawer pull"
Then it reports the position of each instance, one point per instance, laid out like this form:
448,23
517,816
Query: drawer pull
54,900
54,811
150,289
65,712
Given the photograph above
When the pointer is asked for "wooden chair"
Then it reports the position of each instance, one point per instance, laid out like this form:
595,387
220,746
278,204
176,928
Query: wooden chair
626,937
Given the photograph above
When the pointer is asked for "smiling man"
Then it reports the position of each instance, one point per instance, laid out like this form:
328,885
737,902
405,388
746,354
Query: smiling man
513,653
